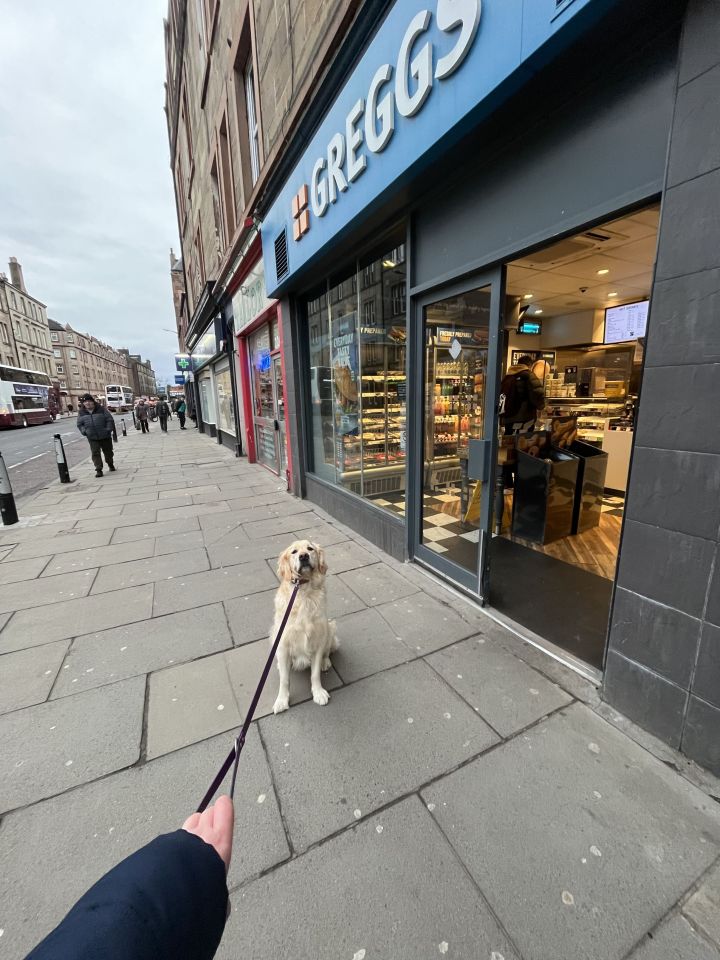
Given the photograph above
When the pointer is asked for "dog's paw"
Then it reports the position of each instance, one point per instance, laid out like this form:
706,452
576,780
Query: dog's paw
326,664
281,704
321,696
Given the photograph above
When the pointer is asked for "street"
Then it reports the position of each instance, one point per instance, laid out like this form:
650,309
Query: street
29,452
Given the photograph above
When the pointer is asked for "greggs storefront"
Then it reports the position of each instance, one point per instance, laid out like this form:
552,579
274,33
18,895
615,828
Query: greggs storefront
476,260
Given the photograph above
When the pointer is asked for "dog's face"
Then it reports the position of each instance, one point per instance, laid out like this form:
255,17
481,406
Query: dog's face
302,559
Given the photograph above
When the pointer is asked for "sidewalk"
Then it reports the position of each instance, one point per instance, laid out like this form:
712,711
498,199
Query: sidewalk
461,795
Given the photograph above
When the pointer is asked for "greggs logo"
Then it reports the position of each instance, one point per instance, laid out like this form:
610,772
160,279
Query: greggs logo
400,89
300,212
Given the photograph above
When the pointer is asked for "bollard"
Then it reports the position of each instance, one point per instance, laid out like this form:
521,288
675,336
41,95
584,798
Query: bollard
8,510
133,416
61,460
114,433
124,428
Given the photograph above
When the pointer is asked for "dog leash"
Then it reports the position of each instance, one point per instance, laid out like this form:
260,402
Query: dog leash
234,754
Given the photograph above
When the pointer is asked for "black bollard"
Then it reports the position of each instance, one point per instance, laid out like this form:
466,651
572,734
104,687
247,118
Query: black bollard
124,428
8,511
114,433
62,463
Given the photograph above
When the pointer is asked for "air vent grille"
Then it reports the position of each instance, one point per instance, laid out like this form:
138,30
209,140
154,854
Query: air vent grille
282,265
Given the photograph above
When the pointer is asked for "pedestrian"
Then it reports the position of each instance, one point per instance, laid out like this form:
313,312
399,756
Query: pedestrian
96,424
181,410
141,412
70,409
163,412
167,900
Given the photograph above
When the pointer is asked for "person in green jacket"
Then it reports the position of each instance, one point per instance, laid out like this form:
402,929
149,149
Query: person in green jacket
181,411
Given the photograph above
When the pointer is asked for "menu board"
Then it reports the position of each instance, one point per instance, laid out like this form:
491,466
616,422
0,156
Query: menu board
626,322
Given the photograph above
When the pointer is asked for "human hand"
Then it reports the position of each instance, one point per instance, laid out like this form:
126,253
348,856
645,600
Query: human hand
215,826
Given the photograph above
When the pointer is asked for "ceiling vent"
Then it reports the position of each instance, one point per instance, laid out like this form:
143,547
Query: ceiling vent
574,248
282,265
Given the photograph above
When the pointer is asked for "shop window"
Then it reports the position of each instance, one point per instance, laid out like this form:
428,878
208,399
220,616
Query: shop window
357,381
224,406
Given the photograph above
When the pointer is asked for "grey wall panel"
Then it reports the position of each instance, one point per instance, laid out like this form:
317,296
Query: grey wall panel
604,152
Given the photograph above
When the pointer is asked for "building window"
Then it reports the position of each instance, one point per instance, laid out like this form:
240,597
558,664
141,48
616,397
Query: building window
252,123
24,306
226,178
59,368
220,238
13,300
73,355
76,370
57,354
357,379
6,338
55,337
63,385
70,338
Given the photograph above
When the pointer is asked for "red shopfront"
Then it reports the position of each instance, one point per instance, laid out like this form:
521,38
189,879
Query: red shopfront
262,392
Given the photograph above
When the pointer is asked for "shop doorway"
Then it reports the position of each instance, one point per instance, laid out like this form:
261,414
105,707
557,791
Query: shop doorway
574,330
457,339
268,397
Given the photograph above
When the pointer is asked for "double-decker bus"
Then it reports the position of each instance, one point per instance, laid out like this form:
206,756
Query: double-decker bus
118,398
24,397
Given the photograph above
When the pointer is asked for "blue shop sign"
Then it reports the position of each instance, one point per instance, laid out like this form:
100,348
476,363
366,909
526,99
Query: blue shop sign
430,73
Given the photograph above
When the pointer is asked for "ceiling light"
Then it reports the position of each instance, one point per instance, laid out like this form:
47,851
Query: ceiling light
389,263
536,312
528,296
613,294
601,273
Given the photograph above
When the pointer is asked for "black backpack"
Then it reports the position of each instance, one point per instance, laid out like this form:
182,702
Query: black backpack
517,392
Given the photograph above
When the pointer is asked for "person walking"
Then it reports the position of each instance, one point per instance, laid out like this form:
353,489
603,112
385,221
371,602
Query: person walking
181,410
96,425
163,412
141,412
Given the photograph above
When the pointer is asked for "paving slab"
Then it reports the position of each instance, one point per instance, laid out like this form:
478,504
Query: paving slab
139,648
251,617
233,547
73,618
27,675
66,542
239,499
213,585
340,598
378,584
375,741
151,570
149,531
276,525
46,590
84,833
98,557
389,888
118,521
188,489
590,834
245,666
192,510
177,542
188,703
703,907
424,623
506,692
324,534
347,555
367,646
675,939
37,528
223,524
13,571
53,746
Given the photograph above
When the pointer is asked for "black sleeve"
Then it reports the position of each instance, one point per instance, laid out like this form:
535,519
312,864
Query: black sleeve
537,392
109,420
81,424
167,901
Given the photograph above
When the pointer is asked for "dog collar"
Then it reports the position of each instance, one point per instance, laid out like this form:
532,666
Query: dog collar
297,581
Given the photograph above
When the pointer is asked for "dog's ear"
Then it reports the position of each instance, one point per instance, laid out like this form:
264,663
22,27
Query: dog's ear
284,569
322,566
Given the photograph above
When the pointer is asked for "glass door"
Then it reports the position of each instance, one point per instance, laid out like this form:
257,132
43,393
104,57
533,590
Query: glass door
280,425
458,347
263,388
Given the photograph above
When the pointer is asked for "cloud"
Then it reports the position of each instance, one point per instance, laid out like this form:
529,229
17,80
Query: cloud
86,203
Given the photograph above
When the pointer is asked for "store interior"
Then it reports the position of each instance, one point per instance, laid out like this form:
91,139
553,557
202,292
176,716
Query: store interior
577,309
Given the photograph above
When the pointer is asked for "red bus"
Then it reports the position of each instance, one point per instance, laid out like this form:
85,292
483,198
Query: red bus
24,397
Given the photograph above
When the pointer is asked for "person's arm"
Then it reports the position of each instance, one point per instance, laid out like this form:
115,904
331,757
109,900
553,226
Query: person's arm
81,423
537,392
168,900
110,423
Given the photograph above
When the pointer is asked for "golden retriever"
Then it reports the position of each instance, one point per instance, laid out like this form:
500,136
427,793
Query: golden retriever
309,637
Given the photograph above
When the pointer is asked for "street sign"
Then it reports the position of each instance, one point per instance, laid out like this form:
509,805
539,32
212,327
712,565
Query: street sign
179,378
182,362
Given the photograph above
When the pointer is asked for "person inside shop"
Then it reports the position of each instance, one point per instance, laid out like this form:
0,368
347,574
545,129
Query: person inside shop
96,425
168,900
524,397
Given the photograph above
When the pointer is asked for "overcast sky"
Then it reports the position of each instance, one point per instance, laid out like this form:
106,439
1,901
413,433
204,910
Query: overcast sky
86,200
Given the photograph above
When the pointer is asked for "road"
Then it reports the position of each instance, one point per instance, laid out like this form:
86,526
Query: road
29,453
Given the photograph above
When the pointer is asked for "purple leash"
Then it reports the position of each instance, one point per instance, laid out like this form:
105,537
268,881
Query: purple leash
240,740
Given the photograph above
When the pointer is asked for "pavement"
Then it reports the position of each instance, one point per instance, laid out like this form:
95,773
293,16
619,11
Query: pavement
29,452
462,794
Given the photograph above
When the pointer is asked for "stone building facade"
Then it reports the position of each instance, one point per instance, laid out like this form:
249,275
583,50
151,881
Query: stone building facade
84,364
140,375
24,336
177,279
